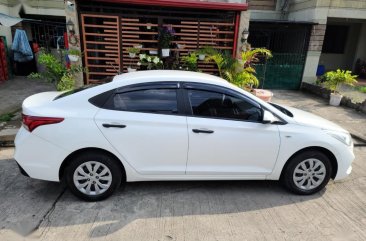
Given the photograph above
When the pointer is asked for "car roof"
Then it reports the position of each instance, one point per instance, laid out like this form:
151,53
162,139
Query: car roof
168,75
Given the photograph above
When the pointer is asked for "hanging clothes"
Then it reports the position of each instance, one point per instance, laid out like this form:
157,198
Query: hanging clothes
22,50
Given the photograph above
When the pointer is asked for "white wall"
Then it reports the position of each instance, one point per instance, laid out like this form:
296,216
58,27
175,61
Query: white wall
5,31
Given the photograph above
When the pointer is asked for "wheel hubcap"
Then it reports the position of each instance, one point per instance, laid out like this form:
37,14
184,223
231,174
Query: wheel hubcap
309,174
92,178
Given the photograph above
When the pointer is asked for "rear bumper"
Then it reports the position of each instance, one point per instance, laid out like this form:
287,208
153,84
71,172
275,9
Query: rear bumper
37,157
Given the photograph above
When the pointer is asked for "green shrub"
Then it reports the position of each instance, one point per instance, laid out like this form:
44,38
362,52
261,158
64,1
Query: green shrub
190,61
133,50
74,52
333,79
362,89
6,117
56,71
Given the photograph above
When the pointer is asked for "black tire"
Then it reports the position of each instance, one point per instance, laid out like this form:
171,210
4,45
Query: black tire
117,175
288,173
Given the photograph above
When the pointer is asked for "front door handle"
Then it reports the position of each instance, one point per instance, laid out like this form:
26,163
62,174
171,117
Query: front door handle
113,125
203,131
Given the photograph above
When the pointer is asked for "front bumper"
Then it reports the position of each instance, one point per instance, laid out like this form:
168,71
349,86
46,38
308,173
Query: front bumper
344,160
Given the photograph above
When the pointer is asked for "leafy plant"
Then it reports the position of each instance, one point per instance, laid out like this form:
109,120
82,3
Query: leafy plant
133,50
362,89
166,35
208,50
74,52
66,83
6,117
253,56
56,72
333,79
240,73
190,61
150,62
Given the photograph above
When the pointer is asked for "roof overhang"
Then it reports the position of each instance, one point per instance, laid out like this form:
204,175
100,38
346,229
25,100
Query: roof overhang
207,4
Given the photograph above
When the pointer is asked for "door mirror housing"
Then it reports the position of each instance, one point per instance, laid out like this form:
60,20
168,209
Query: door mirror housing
268,117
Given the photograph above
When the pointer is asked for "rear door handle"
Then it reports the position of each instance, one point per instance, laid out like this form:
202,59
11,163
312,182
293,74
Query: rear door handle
113,126
202,131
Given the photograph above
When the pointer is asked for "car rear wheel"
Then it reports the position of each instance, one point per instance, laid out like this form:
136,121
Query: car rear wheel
93,176
307,172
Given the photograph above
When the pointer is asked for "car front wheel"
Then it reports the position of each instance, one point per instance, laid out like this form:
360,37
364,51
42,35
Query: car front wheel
93,176
307,172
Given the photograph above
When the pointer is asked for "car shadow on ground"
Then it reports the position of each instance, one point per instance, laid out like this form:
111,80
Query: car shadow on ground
38,205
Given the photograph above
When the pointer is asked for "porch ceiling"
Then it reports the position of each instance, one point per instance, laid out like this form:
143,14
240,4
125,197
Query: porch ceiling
207,4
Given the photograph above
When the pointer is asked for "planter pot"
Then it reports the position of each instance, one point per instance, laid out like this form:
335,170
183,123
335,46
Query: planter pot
73,58
165,52
148,27
138,46
201,56
335,99
132,55
264,95
181,46
131,70
153,52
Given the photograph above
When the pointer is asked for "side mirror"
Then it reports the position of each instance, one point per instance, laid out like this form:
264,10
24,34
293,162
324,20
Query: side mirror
268,117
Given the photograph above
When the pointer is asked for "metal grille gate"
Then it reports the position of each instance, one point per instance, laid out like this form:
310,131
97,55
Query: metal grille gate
289,44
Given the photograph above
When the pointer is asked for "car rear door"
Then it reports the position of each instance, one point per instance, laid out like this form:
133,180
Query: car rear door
145,124
226,134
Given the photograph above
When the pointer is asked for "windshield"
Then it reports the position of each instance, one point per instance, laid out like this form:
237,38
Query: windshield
282,109
70,92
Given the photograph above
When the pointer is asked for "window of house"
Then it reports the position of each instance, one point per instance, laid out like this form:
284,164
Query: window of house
159,101
219,105
335,39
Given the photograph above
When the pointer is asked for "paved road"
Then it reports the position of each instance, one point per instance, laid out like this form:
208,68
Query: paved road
164,211
14,91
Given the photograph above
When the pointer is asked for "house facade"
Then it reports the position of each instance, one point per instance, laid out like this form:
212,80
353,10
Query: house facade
336,37
307,37
41,18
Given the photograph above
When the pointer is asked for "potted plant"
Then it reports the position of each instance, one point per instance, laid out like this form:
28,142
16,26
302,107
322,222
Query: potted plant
190,62
181,46
150,62
133,51
138,46
130,69
166,35
332,81
201,54
240,73
148,26
73,55
56,72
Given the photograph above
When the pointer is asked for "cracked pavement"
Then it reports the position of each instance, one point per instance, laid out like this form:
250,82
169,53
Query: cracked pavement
231,210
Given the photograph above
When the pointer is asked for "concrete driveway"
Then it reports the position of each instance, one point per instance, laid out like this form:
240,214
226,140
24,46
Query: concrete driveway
240,210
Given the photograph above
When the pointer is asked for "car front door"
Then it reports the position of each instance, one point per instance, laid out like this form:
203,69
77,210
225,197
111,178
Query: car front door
144,124
226,134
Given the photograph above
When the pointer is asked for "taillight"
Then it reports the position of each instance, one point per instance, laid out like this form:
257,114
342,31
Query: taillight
32,122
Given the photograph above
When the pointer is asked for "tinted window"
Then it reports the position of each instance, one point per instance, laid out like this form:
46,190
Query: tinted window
213,104
335,39
163,101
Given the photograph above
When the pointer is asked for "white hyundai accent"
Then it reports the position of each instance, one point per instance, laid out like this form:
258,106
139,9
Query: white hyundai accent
174,125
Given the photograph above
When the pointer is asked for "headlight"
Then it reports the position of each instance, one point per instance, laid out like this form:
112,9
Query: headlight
341,136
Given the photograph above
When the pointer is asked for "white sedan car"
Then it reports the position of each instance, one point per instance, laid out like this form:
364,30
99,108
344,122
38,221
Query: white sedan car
174,125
